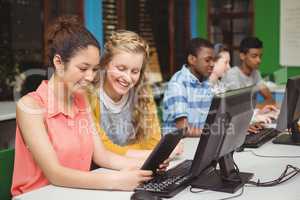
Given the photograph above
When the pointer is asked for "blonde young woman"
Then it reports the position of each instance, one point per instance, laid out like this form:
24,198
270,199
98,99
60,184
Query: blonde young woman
124,108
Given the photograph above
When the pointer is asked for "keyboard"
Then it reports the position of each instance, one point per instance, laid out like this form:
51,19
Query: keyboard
256,140
170,182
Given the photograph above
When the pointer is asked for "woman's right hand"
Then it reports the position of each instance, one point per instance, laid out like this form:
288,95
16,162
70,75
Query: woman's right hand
129,179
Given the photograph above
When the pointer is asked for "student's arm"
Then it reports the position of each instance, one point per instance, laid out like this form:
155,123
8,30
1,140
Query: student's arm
266,93
192,131
35,136
175,106
264,90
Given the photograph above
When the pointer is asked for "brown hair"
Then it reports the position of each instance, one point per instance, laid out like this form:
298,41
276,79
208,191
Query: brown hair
65,37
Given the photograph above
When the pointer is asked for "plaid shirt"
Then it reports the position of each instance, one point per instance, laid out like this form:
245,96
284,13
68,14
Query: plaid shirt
186,96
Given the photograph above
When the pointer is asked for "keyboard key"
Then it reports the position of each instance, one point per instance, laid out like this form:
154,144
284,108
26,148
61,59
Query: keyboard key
170,180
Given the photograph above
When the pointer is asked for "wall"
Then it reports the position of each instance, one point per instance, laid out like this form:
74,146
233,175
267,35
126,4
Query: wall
267,28
202,18
93,18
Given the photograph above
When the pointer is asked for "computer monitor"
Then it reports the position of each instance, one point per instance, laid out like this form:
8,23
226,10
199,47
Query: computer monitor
225,130
290,114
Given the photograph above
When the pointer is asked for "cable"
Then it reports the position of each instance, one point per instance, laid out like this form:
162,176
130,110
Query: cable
226,198
268,156
235,196
285,176
237,171
207,170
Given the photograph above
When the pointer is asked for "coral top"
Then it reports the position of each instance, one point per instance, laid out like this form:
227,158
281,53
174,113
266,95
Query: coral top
71,137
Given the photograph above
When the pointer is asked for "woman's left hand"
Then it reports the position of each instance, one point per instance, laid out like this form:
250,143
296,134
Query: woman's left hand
163,167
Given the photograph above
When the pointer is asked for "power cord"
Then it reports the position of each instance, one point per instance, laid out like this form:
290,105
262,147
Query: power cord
237,171
231,197
285,176
235,196
268,156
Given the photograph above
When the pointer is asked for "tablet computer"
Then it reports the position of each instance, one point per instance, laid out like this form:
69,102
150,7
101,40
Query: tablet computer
163,149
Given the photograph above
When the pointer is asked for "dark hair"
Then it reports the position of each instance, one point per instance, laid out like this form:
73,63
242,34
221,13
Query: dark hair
219,48
195,44
250,43
66,36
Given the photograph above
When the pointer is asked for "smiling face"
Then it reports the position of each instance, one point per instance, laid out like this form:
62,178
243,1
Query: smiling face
123,72
80,71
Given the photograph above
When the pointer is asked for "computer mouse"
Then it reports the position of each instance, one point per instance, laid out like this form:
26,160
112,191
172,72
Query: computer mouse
143,195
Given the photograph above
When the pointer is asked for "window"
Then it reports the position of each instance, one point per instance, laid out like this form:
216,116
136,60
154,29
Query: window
229,21
164,24
22,39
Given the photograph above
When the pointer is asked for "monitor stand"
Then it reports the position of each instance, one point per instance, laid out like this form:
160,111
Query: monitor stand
223,180
285,139
292,138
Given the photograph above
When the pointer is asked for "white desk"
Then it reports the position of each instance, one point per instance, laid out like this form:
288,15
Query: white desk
264,168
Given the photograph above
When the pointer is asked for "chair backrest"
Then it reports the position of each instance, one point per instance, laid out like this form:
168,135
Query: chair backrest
6,171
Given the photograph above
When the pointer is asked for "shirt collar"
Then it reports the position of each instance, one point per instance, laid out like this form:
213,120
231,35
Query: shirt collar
53,107
192,78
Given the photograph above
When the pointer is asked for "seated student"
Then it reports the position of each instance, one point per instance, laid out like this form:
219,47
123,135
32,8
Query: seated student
55,140
188,95
221,66
247,73
124,108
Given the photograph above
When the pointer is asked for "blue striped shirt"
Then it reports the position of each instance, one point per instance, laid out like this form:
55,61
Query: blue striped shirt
186,96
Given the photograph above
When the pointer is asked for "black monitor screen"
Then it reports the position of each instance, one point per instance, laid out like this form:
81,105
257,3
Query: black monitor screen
225,130
290,113
237,109
209,143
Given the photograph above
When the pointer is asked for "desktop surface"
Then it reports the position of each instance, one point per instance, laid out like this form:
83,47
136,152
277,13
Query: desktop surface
263,168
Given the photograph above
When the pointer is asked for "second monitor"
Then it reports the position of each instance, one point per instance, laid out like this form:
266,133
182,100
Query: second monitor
225,131
289,114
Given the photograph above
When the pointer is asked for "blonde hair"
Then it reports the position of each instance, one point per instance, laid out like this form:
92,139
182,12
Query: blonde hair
130,42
